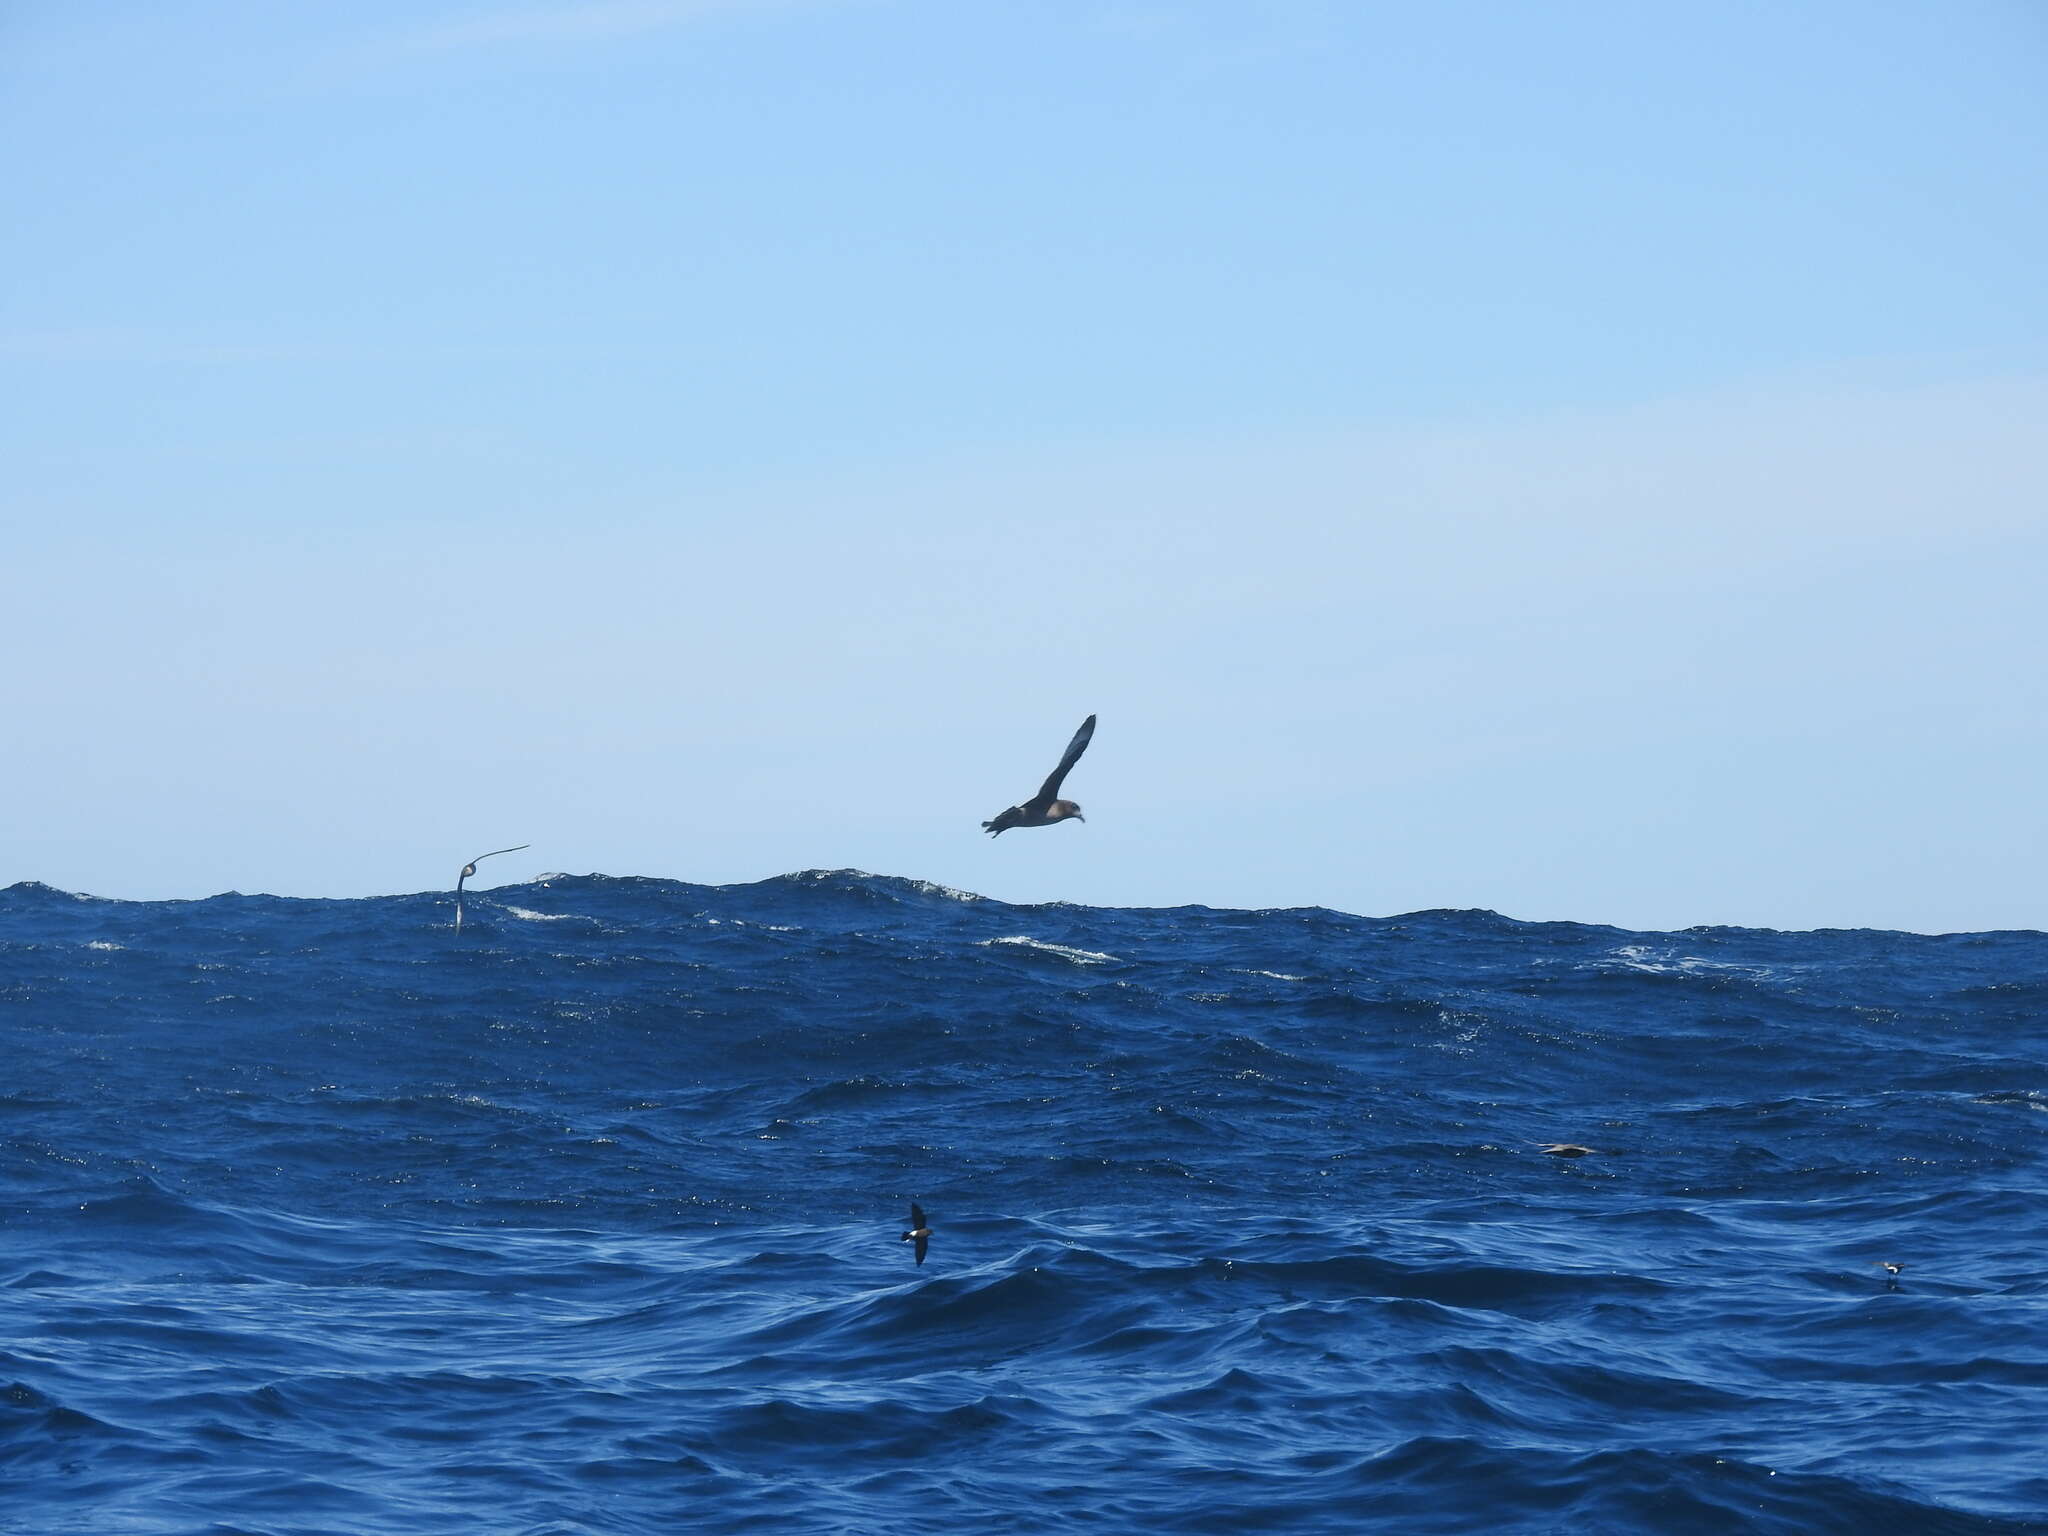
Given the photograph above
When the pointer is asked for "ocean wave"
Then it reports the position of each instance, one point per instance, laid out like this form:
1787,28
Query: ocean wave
322,1215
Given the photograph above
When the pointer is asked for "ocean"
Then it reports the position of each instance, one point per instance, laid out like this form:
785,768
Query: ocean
320,1218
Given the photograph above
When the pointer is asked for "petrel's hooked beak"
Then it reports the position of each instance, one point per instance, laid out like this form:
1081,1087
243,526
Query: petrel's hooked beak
1079,817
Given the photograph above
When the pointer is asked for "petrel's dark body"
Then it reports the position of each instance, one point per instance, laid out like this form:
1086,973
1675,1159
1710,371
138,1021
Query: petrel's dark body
920,1231
1044,808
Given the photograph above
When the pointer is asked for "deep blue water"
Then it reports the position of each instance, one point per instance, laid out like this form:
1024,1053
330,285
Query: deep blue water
321,1217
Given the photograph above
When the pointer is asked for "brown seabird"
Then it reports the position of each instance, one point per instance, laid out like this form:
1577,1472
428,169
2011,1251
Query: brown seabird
1042,810
920,1231
470,869
1564,1149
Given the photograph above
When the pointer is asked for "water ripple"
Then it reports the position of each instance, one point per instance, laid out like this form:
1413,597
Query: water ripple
324,1218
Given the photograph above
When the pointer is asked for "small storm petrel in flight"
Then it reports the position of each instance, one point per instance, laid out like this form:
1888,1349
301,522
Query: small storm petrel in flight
1042,809
920,1231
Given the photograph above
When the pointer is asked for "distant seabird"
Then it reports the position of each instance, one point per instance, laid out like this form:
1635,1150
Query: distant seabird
470,869
1892,1271
1564,1149
1042,810
920,1231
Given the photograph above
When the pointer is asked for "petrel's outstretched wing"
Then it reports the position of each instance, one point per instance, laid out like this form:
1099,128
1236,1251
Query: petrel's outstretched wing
1049,791
922,1242
470,868
916,1217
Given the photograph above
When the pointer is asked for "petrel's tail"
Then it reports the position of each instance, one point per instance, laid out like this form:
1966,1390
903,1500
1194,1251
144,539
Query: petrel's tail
992,829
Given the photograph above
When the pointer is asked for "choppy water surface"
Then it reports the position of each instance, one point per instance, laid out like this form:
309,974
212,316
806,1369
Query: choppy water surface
319,1217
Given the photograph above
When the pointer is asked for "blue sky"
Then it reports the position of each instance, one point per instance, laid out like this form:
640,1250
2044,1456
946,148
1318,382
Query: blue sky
1578,459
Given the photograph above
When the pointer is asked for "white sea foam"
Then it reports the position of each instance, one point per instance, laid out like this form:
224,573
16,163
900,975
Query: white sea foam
1065,952
1269,975
58,890
103,944
540,917
1640,957
1467,1025
2030,1098
862,876
947,891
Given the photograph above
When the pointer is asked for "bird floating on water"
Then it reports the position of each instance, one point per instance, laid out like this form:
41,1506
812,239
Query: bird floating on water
1043,809
920,1231
470,869
1564,1149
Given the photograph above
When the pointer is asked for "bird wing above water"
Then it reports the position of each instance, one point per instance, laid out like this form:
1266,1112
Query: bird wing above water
1049,791
470,868
916,1217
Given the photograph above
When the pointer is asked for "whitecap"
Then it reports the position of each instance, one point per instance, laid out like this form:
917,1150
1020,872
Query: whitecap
881,882
539,917
1064,951
1269,975
2031,1098
1641,957
103,944
32,887
950,893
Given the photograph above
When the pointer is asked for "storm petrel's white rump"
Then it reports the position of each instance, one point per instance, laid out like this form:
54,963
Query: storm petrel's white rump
920,1231
1042,810
470,869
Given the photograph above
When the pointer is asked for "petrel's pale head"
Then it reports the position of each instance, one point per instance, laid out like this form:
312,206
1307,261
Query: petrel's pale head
1060,810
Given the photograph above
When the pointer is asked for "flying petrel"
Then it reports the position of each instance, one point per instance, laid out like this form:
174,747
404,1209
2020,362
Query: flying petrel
920,1231
1564,1149
470,869
1042,810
